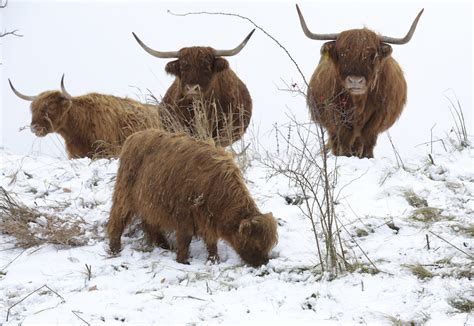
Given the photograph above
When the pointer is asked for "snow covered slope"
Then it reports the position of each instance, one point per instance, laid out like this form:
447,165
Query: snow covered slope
392,213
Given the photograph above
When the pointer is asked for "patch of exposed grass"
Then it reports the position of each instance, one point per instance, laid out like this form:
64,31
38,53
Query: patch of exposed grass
30,227
426,214
362,268
444,261
361,233
462,305
421,272
423,318
414,200
468,230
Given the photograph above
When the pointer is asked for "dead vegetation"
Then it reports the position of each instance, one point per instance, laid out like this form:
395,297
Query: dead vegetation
415,200
462,305
207,124
31,227
420,271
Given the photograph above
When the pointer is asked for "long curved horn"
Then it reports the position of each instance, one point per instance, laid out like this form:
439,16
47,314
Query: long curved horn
158,54
22,96
63,89
228,53
407,38
321,37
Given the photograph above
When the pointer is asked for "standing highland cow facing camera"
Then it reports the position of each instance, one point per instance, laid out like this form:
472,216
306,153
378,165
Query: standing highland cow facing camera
176,183
357,90
206,99
92,125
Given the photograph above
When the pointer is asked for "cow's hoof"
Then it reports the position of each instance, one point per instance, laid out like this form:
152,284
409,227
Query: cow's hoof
214,259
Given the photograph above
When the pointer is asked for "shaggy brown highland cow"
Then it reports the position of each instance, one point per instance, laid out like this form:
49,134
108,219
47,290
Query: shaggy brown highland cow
176,183
357,90
92,125
205,83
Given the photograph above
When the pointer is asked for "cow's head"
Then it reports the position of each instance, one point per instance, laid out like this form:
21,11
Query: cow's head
256,237
357,53
195,66
48,109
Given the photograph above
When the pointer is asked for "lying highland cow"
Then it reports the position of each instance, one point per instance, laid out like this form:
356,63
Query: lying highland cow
175,183
207,98
357,90
92,125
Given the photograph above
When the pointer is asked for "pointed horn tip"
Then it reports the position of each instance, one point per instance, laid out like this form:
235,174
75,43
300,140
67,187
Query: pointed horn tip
136,37
250,35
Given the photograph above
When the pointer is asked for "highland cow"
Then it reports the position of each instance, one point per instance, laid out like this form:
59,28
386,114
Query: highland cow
92,125
205,85
176,183
357,90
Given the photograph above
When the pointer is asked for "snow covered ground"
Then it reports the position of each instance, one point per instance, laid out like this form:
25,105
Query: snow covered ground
378,206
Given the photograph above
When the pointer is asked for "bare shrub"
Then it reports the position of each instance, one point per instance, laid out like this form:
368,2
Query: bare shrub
5,33
305,163
30,227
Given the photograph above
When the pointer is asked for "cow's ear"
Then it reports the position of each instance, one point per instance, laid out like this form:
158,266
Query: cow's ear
328,50
385,50
245,228
220,64
172,67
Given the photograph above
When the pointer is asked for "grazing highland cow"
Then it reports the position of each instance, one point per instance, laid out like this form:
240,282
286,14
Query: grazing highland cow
176,183
357,90
92,125
206,88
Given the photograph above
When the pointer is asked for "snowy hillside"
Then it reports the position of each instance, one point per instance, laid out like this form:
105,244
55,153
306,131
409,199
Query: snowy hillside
393,214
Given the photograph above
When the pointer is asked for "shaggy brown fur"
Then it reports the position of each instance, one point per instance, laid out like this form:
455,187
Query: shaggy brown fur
354,121
175,183
93,125
224,96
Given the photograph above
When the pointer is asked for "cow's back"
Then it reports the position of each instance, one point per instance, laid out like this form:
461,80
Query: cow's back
169,176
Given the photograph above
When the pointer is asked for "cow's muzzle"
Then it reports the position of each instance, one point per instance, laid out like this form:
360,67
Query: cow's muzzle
38,131
192,90
356,85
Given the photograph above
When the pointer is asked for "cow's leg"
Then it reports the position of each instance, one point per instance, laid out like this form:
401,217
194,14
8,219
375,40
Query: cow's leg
211,244
183,237
119,218
370,134
369,146
155,235
345,140
331,144
358,147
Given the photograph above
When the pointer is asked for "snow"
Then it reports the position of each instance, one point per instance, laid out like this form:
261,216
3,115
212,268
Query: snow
146,286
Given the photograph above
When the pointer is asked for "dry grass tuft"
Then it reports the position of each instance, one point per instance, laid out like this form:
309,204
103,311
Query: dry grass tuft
426,214
208,123
420,272
414,200
30,227
462,305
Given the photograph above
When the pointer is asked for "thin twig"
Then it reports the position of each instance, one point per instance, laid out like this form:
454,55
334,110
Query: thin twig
76,314
14,33
470,256
254,24
21,253
31,293
397,154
